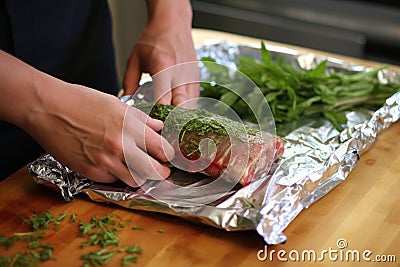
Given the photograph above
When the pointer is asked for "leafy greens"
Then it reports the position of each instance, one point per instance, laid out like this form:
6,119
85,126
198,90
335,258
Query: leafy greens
293,93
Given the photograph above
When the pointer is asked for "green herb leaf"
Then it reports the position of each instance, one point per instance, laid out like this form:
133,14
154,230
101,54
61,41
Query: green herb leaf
134,249
73,218
7,242
128,259
98,257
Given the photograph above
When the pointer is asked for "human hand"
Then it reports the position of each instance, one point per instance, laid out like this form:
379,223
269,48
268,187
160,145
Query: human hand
98,136
165,42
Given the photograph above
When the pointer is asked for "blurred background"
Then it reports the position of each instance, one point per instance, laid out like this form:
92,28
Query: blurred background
368,29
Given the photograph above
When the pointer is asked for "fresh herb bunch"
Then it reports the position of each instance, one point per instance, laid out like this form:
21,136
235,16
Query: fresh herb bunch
292,92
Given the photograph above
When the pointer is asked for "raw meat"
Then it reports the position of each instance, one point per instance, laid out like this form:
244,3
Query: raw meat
236,152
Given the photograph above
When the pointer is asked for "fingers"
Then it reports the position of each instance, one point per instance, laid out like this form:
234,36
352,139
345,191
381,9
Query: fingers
177,84
139,168
134,169
185,84
186,95
121,171
162,87
137,160
139,129
143,167
158,147
154,124
146,136
140,144
99,175
132,76
133,113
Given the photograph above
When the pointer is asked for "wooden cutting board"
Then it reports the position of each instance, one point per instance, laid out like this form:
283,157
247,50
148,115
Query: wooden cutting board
364,210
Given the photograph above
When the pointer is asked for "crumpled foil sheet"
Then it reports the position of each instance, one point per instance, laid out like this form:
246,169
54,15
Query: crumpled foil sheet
316,159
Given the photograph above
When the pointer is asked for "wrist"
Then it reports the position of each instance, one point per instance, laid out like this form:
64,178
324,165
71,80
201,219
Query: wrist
164,13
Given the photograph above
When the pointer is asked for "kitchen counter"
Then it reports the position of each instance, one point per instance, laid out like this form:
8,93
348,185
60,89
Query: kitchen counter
362,212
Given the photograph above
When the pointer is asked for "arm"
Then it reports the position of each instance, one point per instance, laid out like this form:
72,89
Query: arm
165,41
71,122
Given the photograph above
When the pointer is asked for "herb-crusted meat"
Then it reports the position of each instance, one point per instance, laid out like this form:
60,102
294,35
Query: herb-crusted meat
239,152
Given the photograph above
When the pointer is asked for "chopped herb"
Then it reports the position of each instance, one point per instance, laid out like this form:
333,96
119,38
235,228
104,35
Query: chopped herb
30,236
103,232
39,221
61,217
102,237
134,249
98,257
45,250
85,228
100,231
37,252
73,218
103,222
26,259
128,259
160,231
137,227
57,221
7,242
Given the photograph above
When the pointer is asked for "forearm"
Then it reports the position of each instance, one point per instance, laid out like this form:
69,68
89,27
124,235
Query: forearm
30,98
18,91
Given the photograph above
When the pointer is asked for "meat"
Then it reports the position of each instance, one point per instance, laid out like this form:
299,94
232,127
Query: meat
215,145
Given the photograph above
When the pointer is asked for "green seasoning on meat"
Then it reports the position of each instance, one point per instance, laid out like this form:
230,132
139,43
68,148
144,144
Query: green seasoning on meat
196,124
216,145
199,120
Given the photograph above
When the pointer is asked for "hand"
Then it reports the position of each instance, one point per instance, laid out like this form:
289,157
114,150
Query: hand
165,42
92,133
98,136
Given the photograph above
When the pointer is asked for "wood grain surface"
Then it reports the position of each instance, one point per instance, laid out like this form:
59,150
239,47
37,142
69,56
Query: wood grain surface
364,211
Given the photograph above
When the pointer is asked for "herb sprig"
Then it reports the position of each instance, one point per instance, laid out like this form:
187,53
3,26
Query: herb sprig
293,93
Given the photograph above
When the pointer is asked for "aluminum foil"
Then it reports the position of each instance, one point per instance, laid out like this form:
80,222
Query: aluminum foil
316,159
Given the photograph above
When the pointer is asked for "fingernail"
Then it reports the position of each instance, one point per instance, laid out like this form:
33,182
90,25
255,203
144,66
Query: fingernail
158,125
166,172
